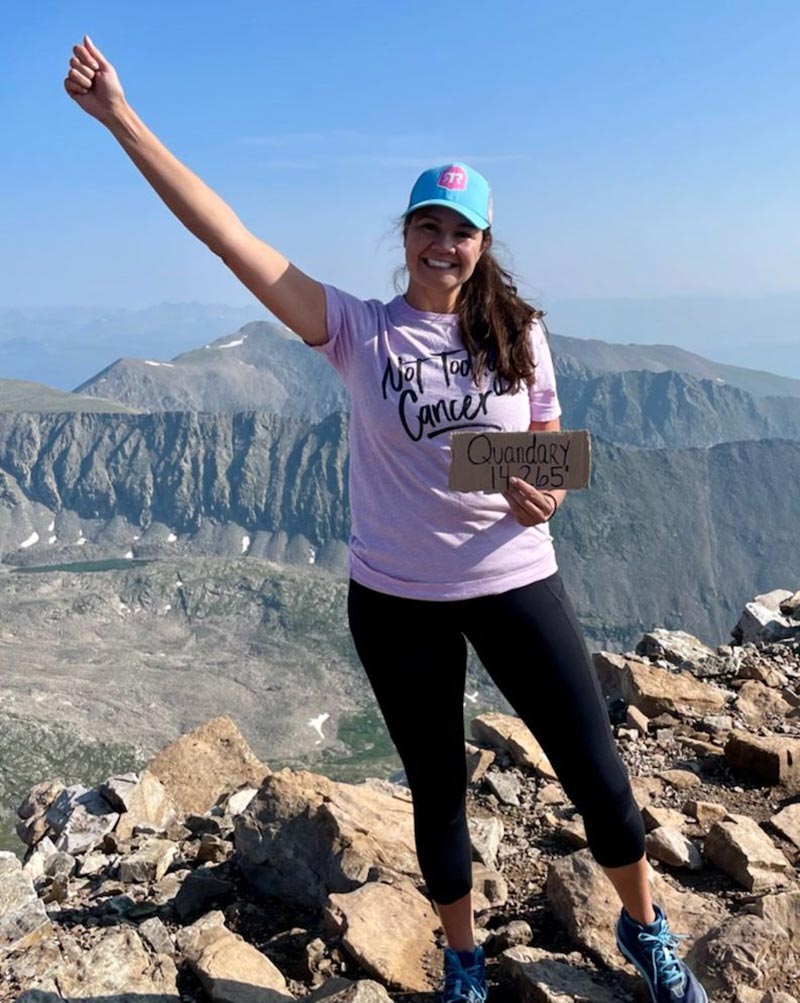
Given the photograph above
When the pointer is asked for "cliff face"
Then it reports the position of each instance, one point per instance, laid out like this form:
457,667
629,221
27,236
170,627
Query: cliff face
669,409
666,535
179,469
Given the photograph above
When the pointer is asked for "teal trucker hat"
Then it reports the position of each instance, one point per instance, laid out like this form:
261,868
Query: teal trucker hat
458,187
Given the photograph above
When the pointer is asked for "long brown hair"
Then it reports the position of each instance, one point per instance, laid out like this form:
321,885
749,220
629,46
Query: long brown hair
495,320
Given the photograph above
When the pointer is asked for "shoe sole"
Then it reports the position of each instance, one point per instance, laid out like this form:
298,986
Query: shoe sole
646,977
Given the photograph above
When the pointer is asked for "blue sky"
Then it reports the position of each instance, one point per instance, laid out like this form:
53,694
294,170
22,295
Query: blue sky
636,151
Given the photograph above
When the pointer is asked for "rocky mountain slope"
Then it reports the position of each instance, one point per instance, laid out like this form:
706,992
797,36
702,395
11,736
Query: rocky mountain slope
669,409
210,875
20,395
624,393
260,367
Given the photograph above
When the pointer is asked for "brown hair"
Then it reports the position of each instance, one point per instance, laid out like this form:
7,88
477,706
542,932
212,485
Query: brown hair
494,320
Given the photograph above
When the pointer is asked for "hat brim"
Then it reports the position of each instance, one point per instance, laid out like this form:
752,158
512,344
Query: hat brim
473,217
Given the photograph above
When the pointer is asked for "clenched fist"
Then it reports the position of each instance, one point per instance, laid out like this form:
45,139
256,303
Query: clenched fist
92,82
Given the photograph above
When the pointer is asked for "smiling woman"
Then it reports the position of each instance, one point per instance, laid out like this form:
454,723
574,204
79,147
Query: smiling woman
459,350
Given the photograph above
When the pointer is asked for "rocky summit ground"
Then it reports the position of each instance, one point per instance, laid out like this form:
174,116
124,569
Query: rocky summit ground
210,877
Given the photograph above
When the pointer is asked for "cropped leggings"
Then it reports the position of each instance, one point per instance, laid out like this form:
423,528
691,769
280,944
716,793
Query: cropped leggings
528,639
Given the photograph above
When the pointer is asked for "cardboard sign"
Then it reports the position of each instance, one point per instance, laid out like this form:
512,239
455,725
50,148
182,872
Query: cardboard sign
484,461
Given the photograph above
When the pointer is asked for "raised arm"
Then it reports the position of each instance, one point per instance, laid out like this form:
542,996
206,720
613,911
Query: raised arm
294,297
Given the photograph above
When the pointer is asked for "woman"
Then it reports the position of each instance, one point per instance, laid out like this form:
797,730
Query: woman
430,567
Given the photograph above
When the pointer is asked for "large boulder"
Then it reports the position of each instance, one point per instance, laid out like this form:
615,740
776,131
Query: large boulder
230,969
23,920
105,964
654,690
304,836
739,846
586,904
389,930
674,646
79,818
762,620
205,763
772,759
741,951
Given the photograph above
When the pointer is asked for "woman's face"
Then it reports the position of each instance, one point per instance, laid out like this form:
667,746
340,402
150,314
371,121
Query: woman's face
442,249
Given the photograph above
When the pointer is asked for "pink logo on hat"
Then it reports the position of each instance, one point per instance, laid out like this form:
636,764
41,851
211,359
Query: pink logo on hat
453,178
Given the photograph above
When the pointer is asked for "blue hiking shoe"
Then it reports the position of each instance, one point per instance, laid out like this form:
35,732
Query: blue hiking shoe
651,950
464,983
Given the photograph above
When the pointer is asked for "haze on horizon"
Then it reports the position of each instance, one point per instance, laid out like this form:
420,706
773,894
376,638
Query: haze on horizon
643,159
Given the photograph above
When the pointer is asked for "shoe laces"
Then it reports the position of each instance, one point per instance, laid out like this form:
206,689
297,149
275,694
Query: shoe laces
667,970
463,983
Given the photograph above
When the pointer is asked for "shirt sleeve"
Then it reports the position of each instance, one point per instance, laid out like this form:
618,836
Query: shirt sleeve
543,393
350,322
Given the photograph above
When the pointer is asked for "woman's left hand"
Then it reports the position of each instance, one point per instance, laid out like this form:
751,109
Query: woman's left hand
528,505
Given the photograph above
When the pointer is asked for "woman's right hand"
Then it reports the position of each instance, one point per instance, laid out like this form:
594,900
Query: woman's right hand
92,82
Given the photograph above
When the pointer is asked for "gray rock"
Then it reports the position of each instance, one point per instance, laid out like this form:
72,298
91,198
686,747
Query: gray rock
198,891
339,990
23,920
505,785
490,885
240,800
80,818
60,863
156,935
150,863
517,933
760,623
485,834
675,646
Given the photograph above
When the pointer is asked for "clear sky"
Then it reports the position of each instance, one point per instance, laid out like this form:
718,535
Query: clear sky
636,150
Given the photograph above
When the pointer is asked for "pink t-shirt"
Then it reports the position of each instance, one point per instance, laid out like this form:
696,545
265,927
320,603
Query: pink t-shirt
410,385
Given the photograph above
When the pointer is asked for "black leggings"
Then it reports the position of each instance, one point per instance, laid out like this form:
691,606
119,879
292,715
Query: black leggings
529,641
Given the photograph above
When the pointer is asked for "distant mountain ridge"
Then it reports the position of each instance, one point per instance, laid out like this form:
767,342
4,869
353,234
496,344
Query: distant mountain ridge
668,536
263,367
606,356
22,395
